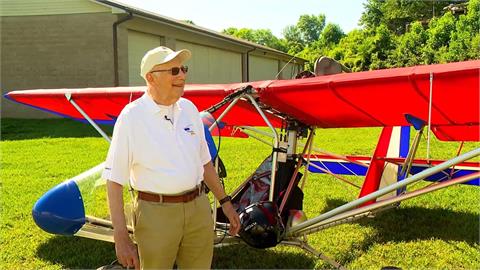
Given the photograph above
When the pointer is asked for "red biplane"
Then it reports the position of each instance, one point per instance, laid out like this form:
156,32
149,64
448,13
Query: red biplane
443,98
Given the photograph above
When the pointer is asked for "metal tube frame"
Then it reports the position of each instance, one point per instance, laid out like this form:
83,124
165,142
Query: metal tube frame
292,142
430,101
256,130
257,138
295,173
224,113
308,157
275,135
367,210
303,245
86,174
275,144
452,171
215,200
309,152
407,166
316,149
414,178
230,106
85,115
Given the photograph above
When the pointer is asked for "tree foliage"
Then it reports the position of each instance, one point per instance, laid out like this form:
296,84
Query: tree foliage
406,52
261,36
395,33
310,27
397,15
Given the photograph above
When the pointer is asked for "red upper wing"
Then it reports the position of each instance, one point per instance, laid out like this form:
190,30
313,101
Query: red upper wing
363,99
382,97
104,104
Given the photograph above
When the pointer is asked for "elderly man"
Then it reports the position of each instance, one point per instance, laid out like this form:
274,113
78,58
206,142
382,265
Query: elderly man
158,147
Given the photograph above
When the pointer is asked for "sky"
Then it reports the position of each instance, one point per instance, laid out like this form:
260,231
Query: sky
255,14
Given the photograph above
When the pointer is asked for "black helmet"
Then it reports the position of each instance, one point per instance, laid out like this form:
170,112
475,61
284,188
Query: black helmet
262,226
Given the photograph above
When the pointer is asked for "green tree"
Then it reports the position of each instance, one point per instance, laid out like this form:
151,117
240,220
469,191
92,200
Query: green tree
397,15
332,34
310,27
266,38
365,49
306,31
329,39
261,36
439,35
348,50
396,33
242,33
473,15
460,42
293,39
408,51
381,48
461,45
372,14
475,45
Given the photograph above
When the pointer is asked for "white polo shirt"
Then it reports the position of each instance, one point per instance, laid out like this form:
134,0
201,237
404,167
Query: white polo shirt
155,153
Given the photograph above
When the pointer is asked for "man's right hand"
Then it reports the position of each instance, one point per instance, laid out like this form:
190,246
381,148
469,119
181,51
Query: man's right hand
126,251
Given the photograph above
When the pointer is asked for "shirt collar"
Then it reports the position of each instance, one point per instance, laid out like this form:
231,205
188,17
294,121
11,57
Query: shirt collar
155,108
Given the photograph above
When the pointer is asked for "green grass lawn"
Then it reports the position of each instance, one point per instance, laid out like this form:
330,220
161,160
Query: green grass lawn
438,230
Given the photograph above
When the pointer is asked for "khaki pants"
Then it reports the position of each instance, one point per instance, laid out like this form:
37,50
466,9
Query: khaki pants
174,232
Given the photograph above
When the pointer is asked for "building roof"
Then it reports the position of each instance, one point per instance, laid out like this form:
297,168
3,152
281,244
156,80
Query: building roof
138,12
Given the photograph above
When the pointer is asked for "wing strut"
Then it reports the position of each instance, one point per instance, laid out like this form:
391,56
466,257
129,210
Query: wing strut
419,125
84,114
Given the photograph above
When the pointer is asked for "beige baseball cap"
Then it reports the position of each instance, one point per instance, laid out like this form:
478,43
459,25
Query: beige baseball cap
161,55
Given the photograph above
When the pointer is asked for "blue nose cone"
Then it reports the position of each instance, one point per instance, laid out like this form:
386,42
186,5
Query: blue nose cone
60,210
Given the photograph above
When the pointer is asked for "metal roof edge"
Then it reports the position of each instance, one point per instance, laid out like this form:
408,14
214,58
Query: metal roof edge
194,28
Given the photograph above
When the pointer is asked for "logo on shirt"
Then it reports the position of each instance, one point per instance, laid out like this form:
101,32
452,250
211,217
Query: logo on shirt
189,130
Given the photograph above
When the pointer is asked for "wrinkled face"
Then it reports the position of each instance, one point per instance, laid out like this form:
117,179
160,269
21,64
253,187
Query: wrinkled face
164,83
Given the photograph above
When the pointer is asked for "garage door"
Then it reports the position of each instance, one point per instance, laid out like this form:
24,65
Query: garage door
212,65
262,68
138,44
289,70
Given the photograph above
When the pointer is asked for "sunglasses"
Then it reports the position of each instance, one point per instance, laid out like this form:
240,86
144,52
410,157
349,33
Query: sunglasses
174,70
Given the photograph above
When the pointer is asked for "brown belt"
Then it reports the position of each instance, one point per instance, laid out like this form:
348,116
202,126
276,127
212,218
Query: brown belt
186,197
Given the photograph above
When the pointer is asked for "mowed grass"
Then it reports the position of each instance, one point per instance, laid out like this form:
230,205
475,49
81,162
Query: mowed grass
438,230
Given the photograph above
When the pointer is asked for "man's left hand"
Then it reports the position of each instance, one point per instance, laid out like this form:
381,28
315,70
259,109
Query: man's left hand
232,216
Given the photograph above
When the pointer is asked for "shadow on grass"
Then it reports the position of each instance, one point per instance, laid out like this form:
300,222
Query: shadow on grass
332,204
24,129
242,256
406,224
76,252
413,223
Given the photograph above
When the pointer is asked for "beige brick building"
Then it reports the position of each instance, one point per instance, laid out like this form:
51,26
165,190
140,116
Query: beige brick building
95,43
